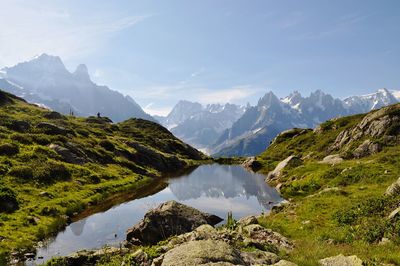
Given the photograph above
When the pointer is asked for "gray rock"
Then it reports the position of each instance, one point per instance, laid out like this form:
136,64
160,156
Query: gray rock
289,162
332,159
168,219
203,252
252,164
341,260
52,129
67,155
367,148
393,189
244,221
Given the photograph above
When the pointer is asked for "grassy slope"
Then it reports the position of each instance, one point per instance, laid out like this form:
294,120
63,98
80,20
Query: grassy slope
49,190
351,220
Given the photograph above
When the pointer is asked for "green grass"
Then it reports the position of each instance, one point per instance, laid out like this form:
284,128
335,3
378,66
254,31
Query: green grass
48,190
351,218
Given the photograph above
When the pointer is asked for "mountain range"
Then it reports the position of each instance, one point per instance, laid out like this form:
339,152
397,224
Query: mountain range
200,125
44,80
221,130
259,125
233,130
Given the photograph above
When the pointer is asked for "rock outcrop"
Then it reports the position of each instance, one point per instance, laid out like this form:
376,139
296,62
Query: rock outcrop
384,122
168,219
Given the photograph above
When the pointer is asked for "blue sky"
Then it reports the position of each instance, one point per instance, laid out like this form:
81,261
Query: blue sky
212,50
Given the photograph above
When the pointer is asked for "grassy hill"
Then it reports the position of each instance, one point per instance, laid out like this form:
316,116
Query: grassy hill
53,167
339,204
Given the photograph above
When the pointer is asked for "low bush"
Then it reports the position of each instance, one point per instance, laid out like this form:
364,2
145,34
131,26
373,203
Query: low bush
9,149
8,199
23,172
108,145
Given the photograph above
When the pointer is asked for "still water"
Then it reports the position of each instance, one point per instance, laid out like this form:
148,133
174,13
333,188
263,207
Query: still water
214,188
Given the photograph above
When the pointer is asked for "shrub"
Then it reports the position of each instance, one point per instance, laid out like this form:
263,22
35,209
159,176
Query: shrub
49,172
21,138
9,149
8,199
24,172
43,172
108,145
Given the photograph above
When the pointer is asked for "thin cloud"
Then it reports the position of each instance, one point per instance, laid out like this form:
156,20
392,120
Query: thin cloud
342,24
29,29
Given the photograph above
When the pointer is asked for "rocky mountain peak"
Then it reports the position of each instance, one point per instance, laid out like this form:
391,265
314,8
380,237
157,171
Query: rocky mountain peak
268,100
82,72
293,98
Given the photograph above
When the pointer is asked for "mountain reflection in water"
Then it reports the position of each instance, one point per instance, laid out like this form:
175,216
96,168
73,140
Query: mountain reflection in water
214,188
228,181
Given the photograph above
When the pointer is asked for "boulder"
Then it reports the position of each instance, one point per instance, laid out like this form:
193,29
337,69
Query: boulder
252,164
168,219
341,260
332,159
289,162
393,189
203,252
53,115
52,129
67,155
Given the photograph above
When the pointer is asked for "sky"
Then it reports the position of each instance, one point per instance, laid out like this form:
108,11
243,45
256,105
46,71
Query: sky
212,51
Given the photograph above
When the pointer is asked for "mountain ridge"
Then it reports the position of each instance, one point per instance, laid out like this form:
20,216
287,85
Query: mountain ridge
272,115
45,80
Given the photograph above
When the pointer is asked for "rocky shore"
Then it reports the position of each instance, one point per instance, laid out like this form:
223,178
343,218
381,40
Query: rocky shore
176,234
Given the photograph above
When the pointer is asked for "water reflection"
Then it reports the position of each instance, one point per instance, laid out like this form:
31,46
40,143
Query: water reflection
215,189
77,227
226,181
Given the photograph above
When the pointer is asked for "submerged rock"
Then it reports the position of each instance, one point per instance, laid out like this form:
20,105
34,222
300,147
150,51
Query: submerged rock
168,219
341,260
